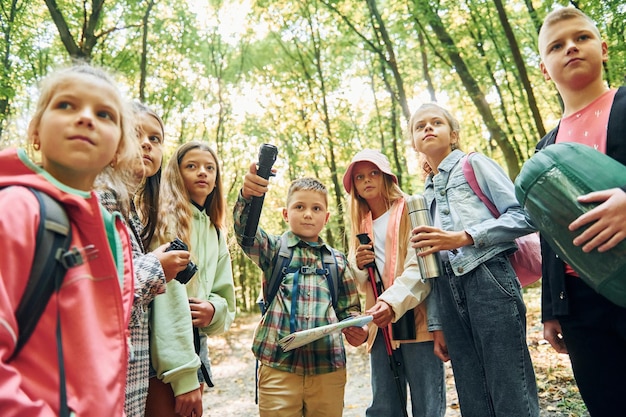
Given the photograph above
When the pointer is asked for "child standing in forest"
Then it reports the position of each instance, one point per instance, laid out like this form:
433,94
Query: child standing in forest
576,319
478,298
81,125
193,210
116,192
378,208
307,381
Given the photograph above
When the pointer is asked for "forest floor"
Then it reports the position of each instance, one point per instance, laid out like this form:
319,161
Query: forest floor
233,368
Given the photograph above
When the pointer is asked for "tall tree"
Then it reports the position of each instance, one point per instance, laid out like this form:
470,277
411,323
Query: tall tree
521,66
82,47
425,10
311,62
8,17
388,56
382,45
143,65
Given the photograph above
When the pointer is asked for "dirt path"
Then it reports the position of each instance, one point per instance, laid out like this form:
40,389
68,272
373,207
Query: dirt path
234,370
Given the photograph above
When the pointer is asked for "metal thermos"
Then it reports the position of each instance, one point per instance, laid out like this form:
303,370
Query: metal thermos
430,265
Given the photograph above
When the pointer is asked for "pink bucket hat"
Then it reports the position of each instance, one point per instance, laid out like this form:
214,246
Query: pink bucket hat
368,155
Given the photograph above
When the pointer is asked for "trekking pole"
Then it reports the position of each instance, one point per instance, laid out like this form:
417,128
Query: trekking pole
364,239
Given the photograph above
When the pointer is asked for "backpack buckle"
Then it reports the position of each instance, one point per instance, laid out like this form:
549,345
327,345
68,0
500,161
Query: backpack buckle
307,270
76,256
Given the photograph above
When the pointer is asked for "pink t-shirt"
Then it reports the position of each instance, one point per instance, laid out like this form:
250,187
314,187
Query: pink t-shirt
588,127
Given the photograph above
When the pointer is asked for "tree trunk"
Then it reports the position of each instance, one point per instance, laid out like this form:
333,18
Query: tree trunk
521,67
83,49
389,57
6,88
143,65
471,85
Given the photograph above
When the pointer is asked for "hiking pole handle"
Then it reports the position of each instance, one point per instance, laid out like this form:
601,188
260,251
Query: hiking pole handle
267,157
364,239
377,286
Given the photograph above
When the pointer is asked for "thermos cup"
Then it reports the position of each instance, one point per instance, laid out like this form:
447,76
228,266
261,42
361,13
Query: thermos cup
430,265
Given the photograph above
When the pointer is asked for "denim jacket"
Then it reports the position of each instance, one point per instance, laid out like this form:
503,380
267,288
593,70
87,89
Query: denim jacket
460,209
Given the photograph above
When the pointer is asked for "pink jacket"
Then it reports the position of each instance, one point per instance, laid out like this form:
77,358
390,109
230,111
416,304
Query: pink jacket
95,308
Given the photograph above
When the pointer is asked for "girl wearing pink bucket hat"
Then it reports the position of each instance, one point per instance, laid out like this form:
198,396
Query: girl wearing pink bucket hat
378,209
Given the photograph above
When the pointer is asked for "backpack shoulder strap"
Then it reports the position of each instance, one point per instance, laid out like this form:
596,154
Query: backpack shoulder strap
617,124
281,268
53,241
332,273
470,176
281,262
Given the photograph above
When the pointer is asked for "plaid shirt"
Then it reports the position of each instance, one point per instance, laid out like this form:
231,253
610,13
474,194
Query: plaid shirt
149,282
313,305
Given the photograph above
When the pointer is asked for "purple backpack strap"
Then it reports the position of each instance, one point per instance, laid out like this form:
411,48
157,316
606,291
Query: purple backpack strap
470,176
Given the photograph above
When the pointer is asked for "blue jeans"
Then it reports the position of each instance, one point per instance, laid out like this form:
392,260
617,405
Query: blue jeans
483,317
419,367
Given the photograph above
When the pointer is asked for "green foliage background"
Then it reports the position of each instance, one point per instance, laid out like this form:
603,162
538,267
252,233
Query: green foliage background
320,79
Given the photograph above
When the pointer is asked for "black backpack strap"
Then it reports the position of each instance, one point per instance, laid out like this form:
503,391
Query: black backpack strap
54,236
332,273
281,264
53,240
617,125
196,345
281,268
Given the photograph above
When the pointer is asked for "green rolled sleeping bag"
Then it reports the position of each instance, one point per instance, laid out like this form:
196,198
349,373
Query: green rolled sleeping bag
548,186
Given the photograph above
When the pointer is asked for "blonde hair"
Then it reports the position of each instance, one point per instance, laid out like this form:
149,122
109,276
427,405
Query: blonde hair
567,13
127,152
359,208
426,169
175,211
307,184
455,127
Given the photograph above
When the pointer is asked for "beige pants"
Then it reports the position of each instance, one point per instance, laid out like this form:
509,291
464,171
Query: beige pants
284,394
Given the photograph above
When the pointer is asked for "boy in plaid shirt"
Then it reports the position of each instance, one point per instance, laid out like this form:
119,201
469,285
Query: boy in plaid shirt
310,380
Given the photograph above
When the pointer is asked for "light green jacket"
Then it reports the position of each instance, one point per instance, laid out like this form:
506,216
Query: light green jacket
171,340
214,280
173,353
